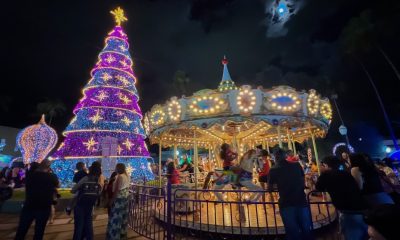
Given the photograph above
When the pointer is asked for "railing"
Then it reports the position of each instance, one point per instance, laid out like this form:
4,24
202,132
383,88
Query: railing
173,211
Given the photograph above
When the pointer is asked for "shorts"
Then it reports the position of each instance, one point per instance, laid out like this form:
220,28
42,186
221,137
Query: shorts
263,178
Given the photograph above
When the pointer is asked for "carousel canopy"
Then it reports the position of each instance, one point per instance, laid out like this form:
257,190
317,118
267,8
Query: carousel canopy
247,115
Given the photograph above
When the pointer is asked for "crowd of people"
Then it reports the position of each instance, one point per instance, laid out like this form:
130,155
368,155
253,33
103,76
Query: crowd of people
90,185
365,193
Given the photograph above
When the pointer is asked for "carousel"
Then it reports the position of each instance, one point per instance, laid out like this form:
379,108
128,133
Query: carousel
245,118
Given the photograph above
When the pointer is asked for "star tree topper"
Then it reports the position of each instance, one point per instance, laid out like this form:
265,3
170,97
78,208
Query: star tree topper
119,15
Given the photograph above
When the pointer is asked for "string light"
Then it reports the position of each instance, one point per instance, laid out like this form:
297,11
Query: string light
174,110
157,117
206,105
107,125
246,100
285,101
312,102
326,110
36,141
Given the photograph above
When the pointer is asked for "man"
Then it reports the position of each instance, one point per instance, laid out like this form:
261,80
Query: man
40,188
288,175
346,197
81,172
383,222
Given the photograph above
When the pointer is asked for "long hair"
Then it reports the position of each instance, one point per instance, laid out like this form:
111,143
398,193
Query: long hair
224,149
120,168
95,169
363,162
170,168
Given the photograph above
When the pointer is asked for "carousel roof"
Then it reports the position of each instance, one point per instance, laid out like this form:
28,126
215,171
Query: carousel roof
245,114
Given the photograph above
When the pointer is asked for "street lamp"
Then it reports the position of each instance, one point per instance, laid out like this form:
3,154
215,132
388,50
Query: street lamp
342,128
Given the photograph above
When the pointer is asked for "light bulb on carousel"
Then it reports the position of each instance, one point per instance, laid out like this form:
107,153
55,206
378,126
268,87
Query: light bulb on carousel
36,141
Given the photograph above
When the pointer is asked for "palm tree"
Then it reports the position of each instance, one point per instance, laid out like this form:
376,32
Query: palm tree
181,80
357,39
52,108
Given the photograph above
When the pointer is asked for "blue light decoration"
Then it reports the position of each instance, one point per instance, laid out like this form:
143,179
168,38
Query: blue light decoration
342,144
107,125
395,155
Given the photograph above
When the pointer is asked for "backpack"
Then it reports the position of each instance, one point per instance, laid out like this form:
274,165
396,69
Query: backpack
89,192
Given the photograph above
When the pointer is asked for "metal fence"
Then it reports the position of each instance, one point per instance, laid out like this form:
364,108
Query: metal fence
175,212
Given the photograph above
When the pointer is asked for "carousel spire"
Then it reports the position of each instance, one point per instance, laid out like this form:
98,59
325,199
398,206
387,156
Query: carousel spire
226,82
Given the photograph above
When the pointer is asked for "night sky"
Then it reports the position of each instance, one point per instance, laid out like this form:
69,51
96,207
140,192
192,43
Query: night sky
50,47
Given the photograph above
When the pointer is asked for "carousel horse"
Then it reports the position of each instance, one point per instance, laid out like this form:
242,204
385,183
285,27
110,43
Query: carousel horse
245,177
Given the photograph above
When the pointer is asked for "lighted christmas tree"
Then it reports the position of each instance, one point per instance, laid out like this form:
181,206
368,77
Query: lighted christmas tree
107,124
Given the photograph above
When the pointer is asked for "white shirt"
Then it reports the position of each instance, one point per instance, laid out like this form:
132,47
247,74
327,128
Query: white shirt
123,181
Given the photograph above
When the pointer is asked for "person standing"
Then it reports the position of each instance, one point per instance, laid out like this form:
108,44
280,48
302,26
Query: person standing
289,178
367,177
346,197
81,172
118,220
88,190
41,185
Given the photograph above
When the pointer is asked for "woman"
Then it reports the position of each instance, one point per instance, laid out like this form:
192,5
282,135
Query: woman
118,220
109,191
263,174
367,177
83,210
187,166
173,174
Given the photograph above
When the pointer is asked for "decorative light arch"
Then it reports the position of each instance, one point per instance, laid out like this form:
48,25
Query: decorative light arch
313,102
174,110
157,117
326,110
246,100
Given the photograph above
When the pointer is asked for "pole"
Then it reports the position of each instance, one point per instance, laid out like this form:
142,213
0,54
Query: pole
289,141
263,144
267,146
169,209
334,97
279,136
175,153
315,151
195,156
294,147
159,161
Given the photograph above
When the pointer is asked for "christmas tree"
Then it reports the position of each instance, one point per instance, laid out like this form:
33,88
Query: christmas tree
107,124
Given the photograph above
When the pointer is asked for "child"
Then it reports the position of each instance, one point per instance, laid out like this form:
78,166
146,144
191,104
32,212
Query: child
228,156
173,174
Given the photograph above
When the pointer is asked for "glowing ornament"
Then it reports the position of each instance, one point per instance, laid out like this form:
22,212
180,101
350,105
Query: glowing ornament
157,117
110,58
246,100
102,95
95,118
312,102
124,98
284,101
119,149
174,110
326,110
122,47
124,63
126,120
36,141
90,144
106,77
129,170
206,105
127,144
123,80
119,15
